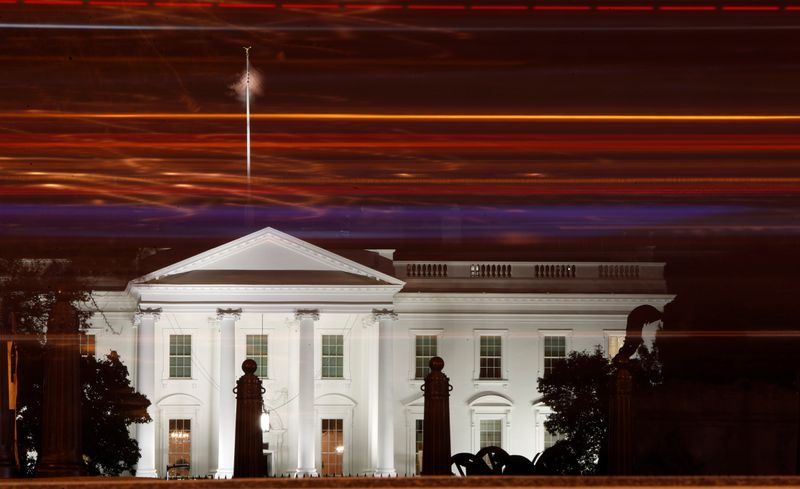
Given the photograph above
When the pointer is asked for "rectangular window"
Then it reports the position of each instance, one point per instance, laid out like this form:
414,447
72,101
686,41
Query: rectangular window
419,425
491,433
550,438
425,349
332,356
180,356
87,345
490,357
180,447
332,446
257,351
614,344
555,348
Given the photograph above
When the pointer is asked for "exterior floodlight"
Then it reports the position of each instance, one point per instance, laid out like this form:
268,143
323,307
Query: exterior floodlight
264,420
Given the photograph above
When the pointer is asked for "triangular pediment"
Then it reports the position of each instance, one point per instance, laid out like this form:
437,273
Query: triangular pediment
267,253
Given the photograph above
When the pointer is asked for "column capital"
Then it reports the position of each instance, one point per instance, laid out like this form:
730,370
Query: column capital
235,314
301,314
383,314
147,312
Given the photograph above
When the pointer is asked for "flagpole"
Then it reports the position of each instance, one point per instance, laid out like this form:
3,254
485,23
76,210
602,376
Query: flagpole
247,105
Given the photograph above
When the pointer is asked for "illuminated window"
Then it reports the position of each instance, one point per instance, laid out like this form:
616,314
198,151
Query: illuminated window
180,356
332,356
87,345
555,348
180,446
257,351
491,433
332,446
551,438
419,425
425,349
491,357
614,344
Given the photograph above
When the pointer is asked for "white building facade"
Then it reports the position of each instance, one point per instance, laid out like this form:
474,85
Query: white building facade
342,348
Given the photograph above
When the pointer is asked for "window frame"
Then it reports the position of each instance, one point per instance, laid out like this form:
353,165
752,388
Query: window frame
163,415
543,333
169,356
503,334
333,342
319,332
248,334
607,335
413,333
332,411
414,411
90,352
486,406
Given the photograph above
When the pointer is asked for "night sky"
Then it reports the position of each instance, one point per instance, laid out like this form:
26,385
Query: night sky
121,121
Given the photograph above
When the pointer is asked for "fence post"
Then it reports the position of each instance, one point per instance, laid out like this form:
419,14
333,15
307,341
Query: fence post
248,455
61,396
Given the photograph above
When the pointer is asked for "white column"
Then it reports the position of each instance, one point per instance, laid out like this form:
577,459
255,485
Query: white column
386,320
227,400
145,384
306,434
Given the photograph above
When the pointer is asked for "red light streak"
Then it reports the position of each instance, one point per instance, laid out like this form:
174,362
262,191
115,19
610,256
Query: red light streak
311,5
750,7
410,117
624,7
499,7
561,7
247,5
122,3
688,7
53,2
373,7
183,4
437,7
430,7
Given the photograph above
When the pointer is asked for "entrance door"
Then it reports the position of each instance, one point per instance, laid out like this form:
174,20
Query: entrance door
332,446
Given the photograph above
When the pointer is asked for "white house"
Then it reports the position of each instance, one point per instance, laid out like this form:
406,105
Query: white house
342,349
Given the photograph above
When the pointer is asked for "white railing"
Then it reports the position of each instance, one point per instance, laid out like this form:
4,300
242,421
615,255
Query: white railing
455,270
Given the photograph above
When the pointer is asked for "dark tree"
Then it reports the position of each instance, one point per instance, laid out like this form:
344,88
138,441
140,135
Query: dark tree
109,406
576,389
28,291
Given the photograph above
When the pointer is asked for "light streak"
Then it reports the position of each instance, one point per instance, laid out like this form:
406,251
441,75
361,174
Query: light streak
412,117
247,5
625,7
416,7
499,7
706,8
405,28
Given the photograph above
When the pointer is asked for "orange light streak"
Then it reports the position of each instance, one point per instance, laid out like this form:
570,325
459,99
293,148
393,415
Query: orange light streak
412,117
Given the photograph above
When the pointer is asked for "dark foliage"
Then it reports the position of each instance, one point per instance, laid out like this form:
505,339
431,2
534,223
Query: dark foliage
109,406
28,291
577,390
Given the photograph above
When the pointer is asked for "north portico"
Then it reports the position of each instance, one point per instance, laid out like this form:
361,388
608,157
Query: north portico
199,316
342,345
